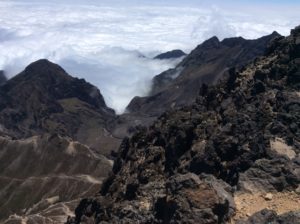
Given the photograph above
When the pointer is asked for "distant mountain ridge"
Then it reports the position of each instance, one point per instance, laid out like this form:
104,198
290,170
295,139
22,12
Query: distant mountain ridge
207,63
170,55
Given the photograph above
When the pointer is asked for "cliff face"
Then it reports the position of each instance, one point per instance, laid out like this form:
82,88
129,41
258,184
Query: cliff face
238,142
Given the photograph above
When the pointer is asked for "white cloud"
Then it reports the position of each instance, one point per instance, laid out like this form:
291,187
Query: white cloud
102,42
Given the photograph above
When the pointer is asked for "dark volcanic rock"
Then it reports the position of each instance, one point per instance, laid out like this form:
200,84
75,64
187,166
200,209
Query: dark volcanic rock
170,55
271,175
186,167
269,216
184,197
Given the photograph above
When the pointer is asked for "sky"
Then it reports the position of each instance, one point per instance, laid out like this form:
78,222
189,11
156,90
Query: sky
103,41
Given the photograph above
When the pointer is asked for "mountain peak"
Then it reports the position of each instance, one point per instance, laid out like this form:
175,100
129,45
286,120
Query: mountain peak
45,68
295,31
42,90
40,62
275,33
212,42
230,42
170,54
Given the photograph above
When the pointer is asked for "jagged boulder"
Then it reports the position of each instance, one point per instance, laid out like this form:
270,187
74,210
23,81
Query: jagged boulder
269,216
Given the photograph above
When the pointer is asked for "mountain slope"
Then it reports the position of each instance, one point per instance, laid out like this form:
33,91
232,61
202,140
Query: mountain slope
53,138
174,88
193,164
45,99
207,63
39,172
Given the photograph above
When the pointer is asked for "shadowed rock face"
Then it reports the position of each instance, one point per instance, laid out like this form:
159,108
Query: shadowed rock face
171,55
2,78
239,136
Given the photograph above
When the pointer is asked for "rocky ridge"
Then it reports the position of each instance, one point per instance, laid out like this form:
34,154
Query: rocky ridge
239,137
206,64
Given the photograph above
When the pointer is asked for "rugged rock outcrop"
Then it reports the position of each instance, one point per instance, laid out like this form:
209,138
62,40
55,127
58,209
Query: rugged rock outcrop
170,55
269,216
238,137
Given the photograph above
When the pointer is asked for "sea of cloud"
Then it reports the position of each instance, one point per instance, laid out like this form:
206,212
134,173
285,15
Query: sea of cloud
105,42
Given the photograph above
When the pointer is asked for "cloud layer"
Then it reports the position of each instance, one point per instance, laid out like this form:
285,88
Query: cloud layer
103,42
